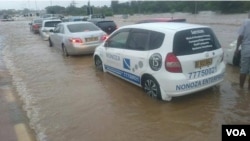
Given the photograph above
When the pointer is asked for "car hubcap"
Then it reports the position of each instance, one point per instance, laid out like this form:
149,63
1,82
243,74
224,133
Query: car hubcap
151,88
98,63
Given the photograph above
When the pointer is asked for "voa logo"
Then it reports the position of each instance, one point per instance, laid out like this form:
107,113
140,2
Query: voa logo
236,132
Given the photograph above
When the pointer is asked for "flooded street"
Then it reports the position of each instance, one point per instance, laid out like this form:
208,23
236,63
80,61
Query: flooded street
67,99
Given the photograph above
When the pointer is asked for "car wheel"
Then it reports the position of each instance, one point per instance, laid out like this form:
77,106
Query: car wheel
98,63
65,52
50,43
151,87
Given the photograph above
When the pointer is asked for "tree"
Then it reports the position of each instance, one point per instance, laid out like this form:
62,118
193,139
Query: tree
55,9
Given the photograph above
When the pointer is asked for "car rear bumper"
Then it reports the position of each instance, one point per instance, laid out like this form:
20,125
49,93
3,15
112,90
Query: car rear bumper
174,87
82,49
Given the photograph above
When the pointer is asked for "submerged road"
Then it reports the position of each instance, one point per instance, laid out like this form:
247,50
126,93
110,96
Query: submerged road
67,99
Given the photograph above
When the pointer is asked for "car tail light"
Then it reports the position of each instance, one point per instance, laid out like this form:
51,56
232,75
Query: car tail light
76,40
104,37
35,26
172,64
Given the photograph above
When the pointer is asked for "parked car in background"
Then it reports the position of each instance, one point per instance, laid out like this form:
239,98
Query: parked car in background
74,18
35,25
229,56
152,20
96,16
165,59
5,18
77,18
47,27
51,16
107,26
77,38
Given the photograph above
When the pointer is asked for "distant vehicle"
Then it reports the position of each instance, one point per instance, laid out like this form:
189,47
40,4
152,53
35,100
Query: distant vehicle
165,59
77,38
96,16
51,16
74,18
77,18
107,26
6,18
35,25
152,20
229,55
47,28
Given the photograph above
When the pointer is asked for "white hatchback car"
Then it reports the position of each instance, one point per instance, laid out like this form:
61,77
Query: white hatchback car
48,25
165,59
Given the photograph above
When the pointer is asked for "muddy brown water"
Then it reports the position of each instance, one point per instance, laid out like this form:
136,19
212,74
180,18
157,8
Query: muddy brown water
67,99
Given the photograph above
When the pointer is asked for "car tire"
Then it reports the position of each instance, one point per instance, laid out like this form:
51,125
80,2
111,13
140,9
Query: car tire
50,43
151,87
65,52
98,63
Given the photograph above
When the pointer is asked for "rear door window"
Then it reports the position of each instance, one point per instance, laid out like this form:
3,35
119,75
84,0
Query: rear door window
194,41
138,39
141,39
156,40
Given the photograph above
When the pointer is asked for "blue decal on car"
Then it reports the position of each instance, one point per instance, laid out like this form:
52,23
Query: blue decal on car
126,75
126,63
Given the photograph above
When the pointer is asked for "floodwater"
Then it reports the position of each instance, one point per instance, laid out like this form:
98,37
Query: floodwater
67,99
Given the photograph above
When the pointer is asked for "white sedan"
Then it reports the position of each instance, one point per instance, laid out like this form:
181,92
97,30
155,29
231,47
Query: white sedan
76,38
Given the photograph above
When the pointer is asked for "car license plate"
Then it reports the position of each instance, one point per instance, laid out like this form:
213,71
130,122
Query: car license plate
91,39
203,63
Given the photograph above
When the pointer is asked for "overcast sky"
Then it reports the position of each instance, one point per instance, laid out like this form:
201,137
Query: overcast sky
41,4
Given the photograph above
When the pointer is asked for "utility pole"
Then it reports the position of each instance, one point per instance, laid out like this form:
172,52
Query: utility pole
195,7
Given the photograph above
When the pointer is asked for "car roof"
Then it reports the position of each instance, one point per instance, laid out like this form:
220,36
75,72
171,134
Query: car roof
162,20
160,26
100,20
37,19
45,20
74,22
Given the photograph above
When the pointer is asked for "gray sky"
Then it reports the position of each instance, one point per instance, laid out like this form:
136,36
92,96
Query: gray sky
41,4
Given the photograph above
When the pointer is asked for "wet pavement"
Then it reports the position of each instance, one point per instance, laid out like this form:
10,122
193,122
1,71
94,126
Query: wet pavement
67,99
13,120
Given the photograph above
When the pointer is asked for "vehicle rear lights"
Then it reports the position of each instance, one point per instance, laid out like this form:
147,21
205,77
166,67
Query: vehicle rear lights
172,64
36,26
104,37
75,40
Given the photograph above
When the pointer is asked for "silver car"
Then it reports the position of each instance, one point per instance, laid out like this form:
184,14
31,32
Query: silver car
48,25
77,38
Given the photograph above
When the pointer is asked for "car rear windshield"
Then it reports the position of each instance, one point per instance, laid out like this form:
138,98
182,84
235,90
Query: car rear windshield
82,27
194,41
51,23
38,21
106,24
